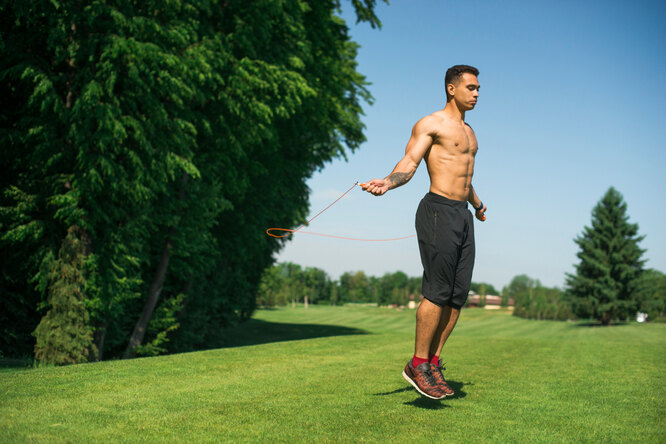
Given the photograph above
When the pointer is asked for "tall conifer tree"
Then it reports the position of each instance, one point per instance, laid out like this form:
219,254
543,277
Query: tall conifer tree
608,276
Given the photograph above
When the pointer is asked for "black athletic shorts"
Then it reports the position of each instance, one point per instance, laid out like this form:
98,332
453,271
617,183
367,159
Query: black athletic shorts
445,230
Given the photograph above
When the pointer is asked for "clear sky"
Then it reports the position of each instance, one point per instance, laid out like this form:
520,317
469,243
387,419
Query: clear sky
571,103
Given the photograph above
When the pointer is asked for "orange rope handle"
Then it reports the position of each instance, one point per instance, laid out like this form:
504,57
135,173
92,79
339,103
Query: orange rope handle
291,232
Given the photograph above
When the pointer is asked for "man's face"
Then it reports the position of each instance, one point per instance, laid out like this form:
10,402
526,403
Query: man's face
465,91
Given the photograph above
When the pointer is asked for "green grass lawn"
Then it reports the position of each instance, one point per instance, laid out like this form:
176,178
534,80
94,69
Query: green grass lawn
333,374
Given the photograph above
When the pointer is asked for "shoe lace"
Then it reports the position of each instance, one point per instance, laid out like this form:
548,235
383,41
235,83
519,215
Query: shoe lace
440,368
429,377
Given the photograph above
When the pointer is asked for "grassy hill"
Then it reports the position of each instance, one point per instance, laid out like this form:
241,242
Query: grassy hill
333,374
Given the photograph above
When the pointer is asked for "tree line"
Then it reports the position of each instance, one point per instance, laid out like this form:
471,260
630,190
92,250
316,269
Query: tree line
285,283
146,147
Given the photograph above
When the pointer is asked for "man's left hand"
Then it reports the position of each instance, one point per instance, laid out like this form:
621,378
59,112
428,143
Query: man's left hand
481,212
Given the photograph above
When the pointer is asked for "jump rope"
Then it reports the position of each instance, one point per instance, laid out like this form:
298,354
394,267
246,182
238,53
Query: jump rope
291,232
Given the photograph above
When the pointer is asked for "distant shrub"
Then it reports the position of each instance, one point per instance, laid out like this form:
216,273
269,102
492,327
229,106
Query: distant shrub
531,300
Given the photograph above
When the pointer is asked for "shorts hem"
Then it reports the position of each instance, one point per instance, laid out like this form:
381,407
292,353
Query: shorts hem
435,302
445,304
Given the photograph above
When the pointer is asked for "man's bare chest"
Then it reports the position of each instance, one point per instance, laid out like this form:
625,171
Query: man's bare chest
456,140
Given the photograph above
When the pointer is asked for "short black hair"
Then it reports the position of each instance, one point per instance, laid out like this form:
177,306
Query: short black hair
454,73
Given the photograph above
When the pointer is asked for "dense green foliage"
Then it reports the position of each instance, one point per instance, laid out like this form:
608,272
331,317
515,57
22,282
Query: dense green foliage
390,289
483,288
532,300
333,375
287,282
166,136
607,281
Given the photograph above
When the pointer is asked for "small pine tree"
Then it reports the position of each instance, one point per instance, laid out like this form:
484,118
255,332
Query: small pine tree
608,275
64,335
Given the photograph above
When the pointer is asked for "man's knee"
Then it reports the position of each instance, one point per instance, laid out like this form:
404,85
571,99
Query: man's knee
427,308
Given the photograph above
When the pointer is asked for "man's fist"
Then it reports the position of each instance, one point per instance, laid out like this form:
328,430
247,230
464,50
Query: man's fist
376,187
481,212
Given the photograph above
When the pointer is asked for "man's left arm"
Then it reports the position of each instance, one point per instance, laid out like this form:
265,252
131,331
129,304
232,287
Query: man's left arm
479,207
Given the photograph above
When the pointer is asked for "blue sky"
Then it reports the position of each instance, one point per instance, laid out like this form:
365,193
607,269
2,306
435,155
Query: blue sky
571,103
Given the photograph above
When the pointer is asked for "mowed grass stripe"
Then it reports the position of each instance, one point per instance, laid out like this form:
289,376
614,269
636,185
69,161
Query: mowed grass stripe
367,318
517,381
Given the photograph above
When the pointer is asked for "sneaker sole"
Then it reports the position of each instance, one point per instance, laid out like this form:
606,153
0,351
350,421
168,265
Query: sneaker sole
415,385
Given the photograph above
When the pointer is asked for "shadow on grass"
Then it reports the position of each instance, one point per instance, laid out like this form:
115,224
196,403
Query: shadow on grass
255,332
427,403
15,363
599,324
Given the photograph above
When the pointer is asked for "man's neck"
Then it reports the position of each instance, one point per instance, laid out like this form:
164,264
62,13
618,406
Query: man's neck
452,110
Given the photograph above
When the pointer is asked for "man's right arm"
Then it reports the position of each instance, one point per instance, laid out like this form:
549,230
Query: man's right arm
419,143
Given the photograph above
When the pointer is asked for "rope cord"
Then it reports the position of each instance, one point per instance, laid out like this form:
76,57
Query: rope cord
291,232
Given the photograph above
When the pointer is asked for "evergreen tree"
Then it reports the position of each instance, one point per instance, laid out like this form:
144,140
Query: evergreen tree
608,276
64,335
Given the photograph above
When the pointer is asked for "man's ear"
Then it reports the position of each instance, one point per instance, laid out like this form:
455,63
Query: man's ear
450,88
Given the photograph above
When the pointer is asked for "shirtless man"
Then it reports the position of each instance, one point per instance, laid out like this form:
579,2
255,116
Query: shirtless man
444,226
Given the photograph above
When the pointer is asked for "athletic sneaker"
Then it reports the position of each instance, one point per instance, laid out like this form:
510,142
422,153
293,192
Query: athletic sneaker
439,378
423,380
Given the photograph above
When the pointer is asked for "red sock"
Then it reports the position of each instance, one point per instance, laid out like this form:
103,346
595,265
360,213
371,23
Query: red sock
416,361
434,360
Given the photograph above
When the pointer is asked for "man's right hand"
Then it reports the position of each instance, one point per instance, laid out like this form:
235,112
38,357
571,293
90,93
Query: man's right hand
376,187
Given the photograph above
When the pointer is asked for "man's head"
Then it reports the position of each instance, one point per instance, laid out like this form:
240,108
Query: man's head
461,82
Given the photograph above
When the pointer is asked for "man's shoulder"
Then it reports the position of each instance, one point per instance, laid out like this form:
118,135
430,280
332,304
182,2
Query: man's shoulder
438,116
430,123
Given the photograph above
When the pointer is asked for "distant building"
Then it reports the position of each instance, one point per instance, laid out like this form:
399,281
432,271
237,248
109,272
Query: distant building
492,301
